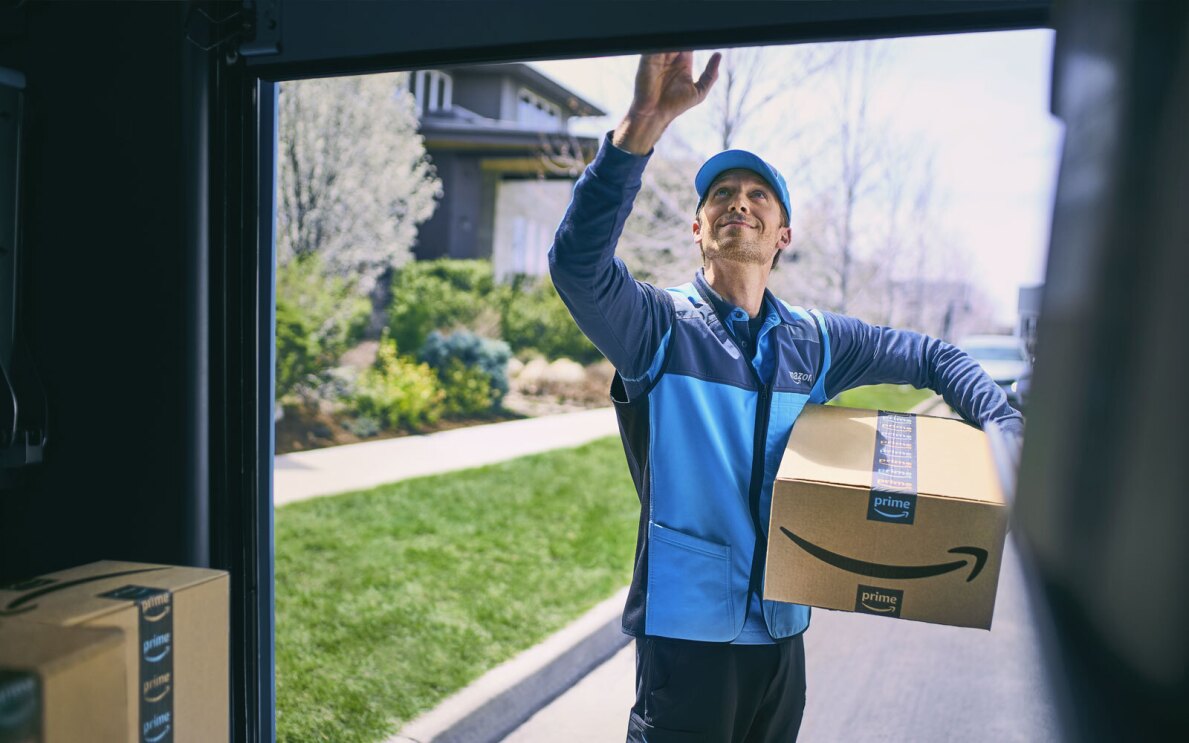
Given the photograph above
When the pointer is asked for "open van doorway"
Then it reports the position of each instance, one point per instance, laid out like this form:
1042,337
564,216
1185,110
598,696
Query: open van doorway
890,226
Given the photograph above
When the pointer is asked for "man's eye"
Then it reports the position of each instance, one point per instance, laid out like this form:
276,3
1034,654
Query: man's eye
721,192
759,194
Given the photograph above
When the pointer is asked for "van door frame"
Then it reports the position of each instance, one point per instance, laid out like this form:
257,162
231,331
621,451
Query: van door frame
374,37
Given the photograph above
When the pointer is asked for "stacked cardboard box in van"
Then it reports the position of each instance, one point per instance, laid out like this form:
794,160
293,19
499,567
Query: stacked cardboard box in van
144,644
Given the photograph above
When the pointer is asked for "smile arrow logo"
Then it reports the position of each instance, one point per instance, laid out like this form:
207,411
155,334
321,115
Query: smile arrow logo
22,604
893,572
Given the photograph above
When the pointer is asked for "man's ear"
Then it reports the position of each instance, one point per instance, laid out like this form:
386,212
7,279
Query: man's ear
785,238
697,230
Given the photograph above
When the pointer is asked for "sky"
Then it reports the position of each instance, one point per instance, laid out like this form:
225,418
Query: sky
979,101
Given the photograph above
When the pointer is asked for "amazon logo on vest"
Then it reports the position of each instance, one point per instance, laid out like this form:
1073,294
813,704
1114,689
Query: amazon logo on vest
801,377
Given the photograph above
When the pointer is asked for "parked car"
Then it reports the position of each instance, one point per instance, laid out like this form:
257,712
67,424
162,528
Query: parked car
1005,358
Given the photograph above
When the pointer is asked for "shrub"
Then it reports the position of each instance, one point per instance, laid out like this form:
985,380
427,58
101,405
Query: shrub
487,355
533,317
398,392
446,294
298,356
437,295
468,391
318,317
363,426
473,370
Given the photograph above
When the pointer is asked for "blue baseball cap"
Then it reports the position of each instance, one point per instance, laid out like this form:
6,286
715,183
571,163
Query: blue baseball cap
731,159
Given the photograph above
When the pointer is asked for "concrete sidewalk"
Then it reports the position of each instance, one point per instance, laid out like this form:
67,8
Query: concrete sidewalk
340,469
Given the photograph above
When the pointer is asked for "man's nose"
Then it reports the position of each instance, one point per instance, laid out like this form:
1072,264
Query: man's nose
739,205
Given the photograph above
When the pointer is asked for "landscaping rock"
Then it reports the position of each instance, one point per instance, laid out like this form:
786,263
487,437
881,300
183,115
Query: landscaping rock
565,372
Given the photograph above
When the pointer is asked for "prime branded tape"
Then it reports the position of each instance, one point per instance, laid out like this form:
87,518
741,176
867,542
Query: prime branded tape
155,649
893,496
20,707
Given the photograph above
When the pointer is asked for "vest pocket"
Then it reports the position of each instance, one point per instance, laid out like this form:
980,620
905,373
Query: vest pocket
689,587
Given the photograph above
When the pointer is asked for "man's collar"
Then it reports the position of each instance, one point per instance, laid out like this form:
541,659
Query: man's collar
725,308
720,305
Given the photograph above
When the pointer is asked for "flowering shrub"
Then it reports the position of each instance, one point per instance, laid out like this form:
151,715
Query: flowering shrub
398,392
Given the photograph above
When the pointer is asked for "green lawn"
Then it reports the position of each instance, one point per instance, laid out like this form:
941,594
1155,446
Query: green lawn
389,600
897,398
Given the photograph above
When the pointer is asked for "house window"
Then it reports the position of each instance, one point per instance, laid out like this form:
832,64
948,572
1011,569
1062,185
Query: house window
533,110
434,91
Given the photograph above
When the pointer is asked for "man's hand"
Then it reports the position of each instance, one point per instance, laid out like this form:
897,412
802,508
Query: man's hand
665,89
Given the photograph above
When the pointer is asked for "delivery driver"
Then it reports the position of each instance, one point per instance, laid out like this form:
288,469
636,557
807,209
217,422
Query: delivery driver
711,377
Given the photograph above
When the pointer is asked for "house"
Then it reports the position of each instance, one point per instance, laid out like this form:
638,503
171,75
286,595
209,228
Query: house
499,138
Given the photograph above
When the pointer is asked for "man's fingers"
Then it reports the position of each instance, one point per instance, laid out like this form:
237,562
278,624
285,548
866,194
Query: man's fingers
709,75
665,85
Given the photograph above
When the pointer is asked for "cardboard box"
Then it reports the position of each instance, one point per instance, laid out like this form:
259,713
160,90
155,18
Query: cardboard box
61,684
889,514
175,624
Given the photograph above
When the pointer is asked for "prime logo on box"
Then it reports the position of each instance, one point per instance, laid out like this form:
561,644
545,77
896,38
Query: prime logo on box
874,600
893,496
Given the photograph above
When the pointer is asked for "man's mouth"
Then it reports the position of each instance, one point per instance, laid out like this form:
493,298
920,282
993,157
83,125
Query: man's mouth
730,222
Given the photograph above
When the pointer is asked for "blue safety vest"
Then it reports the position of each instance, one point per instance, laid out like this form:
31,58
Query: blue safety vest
704,431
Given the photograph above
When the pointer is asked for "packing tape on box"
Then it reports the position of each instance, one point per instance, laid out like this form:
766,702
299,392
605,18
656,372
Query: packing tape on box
20,706
893,496
155,649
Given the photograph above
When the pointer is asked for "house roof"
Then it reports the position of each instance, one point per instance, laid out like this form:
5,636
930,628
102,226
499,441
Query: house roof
460,124
450,134
574,104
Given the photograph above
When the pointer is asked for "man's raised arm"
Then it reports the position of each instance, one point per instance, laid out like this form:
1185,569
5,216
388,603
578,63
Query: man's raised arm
627,320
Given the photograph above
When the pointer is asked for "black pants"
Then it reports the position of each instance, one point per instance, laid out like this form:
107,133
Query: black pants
717,693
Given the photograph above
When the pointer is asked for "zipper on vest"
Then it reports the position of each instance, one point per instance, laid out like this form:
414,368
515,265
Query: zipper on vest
763,413
756,487
759,454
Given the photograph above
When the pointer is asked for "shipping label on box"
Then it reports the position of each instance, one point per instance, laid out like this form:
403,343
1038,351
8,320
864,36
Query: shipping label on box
175,624
889,514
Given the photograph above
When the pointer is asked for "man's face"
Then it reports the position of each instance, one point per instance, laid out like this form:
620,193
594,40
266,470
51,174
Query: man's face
741,220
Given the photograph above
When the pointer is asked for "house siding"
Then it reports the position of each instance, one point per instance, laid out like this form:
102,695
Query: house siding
452,231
